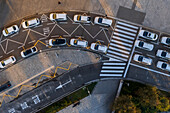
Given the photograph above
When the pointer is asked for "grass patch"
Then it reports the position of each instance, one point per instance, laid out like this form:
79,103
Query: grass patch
70,99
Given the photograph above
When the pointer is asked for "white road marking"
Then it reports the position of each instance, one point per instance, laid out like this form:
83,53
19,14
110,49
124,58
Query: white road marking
15,41
122,39
110,74
125,28
111,55
119,50
31,41
128,25
112,71
107,67
119,46
149,69
122,43
122,35
117,53
125,32
10,51
114,63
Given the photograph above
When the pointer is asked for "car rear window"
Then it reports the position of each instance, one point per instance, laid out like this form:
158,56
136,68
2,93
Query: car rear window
5,86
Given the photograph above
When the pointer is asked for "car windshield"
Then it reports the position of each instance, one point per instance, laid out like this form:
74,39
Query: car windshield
88,18
27,52
96,47
145,33
14,27
75,42
58,41
163,54
141,44
168,40
100,20
164,66
140,58
78,17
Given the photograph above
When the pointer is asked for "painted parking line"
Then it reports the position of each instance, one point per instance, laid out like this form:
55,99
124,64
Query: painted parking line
149,69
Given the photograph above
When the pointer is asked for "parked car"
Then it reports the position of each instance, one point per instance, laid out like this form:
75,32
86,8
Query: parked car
58,16
10,30
165,40
163,65
147,34
29,51
163,54
142,59
98,47
82,18
30,23
5,85
103,21
57,42
77,42
8,61
144,45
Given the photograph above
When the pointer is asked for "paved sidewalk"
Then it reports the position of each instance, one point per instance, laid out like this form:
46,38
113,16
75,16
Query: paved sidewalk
100,101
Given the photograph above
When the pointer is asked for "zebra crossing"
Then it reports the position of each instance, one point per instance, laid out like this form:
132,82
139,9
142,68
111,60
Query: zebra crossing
119,50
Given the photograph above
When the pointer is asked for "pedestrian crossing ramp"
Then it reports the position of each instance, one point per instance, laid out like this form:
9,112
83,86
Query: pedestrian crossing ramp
120,49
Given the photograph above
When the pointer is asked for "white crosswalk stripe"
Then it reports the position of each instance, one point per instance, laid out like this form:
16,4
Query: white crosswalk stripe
120,48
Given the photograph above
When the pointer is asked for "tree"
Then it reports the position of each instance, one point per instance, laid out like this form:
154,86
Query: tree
124,104
164,104
148,99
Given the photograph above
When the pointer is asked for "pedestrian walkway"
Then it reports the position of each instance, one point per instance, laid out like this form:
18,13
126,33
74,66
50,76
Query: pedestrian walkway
120,49
100,101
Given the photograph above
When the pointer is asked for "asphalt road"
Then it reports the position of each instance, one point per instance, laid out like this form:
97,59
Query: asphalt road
50,92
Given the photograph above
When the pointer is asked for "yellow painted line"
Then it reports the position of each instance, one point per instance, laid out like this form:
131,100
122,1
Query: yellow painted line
80,38
87,47
98,42
32,78
68,45
23,47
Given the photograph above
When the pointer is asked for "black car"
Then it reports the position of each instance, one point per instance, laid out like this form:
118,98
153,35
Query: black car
5,86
